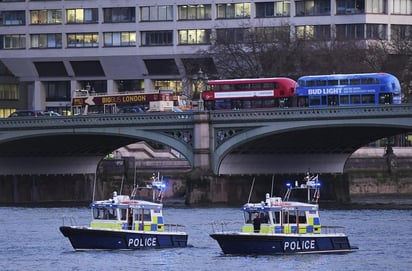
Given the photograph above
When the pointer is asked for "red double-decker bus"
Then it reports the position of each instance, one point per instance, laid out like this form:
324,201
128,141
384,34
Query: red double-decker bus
249,93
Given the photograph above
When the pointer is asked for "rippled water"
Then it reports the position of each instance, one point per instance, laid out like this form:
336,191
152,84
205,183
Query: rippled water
30,240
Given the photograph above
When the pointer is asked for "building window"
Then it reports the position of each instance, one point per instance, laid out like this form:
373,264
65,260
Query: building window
157,38
350,31
129,85
312,7
12,17
46,16
233,10
194,12
350,6
402,7
57,91
194,36
16,41
273,34
273,9
313,32
231,35
82,15
9,92
46,40
376,6
401,32
83,40
119,15
376,31
119,39
156,13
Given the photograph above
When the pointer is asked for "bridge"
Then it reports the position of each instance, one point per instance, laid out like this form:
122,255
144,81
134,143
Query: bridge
283,140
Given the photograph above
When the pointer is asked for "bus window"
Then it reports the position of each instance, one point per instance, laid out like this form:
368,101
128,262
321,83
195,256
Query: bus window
321,82
323,100
385,98
355,99
344,82
368,99
310,83
236,104
271,85
344,99
302,83
222,104
257,103
333,82
255,86
314,100
269,103
368,81
354,81
333,100
247,104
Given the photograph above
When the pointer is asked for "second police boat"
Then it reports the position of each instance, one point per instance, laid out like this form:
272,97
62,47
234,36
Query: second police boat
282,226
124,222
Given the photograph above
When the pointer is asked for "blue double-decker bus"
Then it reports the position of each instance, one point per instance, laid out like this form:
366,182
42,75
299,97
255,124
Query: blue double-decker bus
348,90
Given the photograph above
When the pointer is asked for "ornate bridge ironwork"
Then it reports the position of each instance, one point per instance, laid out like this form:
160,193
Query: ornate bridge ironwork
225,142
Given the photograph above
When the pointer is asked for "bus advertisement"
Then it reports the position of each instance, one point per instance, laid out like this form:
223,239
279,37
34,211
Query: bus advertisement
348,90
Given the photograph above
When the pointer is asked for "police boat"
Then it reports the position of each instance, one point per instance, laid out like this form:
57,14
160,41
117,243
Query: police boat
124,222
282,226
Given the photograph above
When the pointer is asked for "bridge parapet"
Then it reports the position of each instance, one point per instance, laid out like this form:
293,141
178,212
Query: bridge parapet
287,114
95,120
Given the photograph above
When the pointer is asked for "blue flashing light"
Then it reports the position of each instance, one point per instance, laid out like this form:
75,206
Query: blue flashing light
288,184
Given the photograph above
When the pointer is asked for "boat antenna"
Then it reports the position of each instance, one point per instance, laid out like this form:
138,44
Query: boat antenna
273,181
251,189
121,185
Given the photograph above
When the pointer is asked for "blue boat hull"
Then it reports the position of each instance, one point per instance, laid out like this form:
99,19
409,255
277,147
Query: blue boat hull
83,238
271,244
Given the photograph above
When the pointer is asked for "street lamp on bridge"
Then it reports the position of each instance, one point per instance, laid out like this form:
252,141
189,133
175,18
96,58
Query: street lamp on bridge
199,80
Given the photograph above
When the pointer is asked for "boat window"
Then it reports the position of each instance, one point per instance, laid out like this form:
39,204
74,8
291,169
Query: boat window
264,217
104,213
302,217
123,212
249,216
144,213
276,217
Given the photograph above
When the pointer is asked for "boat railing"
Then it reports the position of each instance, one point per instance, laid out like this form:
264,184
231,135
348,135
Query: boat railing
174,227
224,226
69,221
331,229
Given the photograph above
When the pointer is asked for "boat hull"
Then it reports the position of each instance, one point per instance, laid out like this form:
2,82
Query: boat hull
240,243
85,238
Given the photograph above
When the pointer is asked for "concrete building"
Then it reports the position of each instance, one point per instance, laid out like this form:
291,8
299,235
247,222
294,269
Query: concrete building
50,48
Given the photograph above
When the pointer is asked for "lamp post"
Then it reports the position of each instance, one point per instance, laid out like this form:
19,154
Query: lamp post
200,78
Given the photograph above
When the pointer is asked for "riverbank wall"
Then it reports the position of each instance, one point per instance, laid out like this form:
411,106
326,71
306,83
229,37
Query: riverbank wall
369,172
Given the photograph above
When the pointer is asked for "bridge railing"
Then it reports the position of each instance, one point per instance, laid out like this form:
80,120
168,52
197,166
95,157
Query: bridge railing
94,120
278,114
287,114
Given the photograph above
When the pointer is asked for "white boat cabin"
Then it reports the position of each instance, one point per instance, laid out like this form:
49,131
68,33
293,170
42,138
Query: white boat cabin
122,213
277,216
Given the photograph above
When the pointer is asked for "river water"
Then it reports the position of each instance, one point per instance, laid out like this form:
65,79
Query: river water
30,240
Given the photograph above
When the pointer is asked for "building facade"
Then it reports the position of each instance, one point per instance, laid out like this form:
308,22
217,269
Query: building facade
50,48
